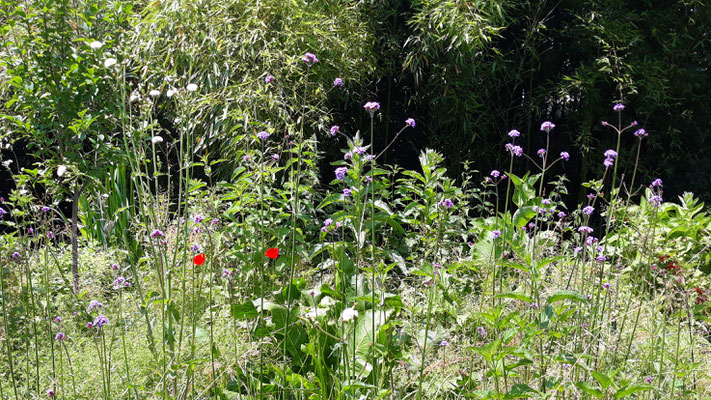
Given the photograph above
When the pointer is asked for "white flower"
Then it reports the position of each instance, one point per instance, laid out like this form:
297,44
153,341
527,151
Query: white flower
191,87
109,62
171,92
349,314
154,93
61,170
156,139
134,97
95,45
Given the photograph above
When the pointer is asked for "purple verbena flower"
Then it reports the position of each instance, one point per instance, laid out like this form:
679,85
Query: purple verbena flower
100,321
541,152
618,107
372,106
327,222
114,267
656,183
347,192
45,209
640,133
443,343
198,218
496,233
546,202
269,79
263,135
608,162
94,304
547,126
195,248
359,150
446,203
481,331
513,133
50,235
600,258
310,59
341,173
60,336
561,214
334,130
564,155
157,233
410,122
338,82
15,254
587,210
577,250
609,153
585,229
495,173
656,200
590,240
348,155
58,320
275,157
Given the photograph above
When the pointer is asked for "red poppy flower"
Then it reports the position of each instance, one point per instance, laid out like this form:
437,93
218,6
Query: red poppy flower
272,253
199,259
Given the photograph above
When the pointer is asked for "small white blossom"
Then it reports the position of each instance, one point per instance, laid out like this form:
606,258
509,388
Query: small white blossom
61,170
171,92
349,314
157,139
109,62
96,45
154,93
191,87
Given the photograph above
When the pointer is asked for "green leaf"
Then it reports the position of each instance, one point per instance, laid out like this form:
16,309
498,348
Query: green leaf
520,391
589,389
634,388
243,311
523,215
602,379
515,296
566,295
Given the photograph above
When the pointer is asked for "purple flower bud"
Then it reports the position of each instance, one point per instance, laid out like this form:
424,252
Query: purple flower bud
577,250
634,123
656,200
50,393
327,222
561,215
58,320
360,150
546,202
334,130
50,235
247,158
640,133
656,183
157,233
269,79
604,123
443,343
60,336
410,122
496,233
114,267
338,82
45,209
15,255
275,157
347,192
541,152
